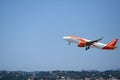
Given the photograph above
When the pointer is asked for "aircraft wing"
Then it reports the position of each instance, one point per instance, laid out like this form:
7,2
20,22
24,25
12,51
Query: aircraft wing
93,41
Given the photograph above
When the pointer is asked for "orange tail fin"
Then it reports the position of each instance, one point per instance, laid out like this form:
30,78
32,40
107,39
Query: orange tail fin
113,42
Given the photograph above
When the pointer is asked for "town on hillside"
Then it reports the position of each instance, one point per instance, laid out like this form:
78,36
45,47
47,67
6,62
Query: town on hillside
60,75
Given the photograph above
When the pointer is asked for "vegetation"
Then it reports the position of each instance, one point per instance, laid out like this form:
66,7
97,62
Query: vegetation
59,75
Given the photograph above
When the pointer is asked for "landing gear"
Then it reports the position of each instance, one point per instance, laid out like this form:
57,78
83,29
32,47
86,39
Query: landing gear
69,43
87,47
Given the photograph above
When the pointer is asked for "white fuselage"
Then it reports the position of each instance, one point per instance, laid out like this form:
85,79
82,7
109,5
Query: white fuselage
95,45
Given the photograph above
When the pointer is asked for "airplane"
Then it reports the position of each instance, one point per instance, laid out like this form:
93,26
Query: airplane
82,42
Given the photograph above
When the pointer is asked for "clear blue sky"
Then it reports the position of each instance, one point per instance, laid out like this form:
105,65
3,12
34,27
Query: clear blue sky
31,34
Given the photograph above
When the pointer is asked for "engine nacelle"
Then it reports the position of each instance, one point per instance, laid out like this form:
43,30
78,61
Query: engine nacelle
81,44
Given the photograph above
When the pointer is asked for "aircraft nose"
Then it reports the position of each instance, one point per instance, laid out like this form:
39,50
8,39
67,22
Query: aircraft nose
64,37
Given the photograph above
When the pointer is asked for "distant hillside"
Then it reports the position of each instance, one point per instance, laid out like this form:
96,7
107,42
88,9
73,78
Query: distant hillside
60,75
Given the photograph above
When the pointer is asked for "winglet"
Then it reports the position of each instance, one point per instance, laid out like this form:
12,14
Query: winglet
101,38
